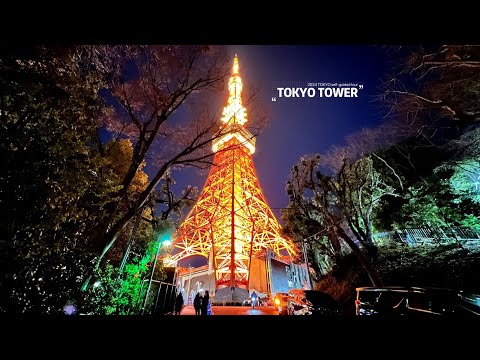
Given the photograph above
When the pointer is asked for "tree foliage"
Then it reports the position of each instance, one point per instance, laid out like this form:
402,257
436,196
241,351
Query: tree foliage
115,164
69,195
446,198
118,292
336,205
146,86
433,112
47,103
419,167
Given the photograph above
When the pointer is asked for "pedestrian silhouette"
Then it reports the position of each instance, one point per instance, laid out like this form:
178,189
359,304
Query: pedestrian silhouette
205,303
178,303
254,299
197,303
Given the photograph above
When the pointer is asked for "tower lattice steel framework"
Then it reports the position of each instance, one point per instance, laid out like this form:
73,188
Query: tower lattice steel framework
231,220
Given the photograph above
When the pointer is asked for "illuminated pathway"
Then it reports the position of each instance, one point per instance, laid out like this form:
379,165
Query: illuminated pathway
234,310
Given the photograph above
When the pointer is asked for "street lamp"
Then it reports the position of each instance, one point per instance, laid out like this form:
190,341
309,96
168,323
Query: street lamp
189,284
166,242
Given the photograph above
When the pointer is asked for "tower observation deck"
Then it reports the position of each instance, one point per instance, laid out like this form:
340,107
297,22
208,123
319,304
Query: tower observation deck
231,222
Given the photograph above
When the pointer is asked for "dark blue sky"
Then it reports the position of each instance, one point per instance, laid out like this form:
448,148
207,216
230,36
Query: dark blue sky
303,126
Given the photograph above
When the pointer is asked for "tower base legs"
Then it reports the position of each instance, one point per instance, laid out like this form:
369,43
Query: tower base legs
230,294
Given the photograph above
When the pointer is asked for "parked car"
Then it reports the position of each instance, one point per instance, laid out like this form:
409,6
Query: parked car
415,302
312,302
269,300
265,301
280,302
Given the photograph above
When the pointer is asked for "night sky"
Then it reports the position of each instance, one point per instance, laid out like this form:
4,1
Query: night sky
306,125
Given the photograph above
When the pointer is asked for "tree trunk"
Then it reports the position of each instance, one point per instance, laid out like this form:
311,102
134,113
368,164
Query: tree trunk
371,272
370,245
314,265
109,239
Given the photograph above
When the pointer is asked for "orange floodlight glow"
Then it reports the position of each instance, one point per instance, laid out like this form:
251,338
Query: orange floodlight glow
231,220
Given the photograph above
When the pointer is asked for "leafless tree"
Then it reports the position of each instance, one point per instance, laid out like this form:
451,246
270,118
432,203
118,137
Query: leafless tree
434,84
158,97
336,201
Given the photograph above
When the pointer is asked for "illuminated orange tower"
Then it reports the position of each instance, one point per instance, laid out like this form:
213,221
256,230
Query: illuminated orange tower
231,220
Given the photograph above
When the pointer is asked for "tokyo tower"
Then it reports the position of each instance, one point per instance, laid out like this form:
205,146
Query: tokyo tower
231,221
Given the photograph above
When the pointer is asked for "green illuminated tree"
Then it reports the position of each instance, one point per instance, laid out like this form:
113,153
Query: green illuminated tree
447,198
117,292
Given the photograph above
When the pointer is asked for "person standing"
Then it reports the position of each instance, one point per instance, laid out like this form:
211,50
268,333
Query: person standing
197,303
254,299
205,303
178,303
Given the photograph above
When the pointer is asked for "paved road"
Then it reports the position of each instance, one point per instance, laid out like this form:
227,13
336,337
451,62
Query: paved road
234,310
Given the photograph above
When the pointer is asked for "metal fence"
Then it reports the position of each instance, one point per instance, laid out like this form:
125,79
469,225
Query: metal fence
464,236
159,300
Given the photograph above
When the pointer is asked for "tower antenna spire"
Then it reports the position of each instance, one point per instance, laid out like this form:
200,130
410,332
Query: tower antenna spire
231,222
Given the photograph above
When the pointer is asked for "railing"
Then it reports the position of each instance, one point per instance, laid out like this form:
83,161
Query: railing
160,299
464,236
